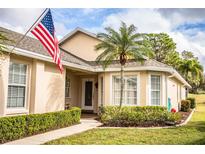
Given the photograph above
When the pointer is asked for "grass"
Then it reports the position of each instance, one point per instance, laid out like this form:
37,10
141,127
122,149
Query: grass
192,133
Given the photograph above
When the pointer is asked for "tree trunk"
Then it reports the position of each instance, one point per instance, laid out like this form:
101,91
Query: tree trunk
122,85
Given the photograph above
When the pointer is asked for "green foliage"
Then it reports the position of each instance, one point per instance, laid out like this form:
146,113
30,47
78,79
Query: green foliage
185,105
162,45
12,128
192,71
3,38
123,45
192,101
187,64
137,116
16,127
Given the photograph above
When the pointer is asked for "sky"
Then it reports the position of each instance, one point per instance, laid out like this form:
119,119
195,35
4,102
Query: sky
185,26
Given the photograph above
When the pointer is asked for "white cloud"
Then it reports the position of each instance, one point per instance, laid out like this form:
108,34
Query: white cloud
154,21
61,29
19,19
146,20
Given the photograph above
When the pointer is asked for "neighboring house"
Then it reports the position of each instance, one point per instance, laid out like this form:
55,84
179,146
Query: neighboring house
31,83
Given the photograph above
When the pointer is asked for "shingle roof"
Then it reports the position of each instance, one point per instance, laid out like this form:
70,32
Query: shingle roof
31,44
133,63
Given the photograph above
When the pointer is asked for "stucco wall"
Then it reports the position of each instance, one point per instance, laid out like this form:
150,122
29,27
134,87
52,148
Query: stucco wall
183,92
45,90
176,91
49,86
82,46
74,89
4,67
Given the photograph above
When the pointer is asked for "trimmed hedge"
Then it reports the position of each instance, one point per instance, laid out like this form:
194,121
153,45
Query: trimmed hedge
129,116
12,128
185,105
193,102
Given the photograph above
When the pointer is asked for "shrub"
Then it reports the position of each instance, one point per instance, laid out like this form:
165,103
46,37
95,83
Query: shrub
136,116
12,128
16,127
193,102
185,105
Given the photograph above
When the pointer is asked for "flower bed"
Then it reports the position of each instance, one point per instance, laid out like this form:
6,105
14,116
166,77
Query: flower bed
12,128
147,116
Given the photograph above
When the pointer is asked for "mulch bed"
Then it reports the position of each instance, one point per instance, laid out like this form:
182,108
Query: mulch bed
184,115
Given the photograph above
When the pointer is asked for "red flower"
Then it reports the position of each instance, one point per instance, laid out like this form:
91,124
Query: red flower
173,110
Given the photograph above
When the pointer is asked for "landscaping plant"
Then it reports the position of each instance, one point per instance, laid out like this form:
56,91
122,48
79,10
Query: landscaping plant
12,128
137,116
193,102
185,105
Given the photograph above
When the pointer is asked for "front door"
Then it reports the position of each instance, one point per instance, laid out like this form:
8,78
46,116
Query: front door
87,95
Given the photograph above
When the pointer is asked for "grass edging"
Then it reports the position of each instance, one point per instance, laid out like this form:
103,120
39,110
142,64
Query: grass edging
188,119
178,125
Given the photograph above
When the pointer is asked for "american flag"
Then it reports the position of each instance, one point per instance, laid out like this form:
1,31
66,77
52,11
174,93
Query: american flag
44,31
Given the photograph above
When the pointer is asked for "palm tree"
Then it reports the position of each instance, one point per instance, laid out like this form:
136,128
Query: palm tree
122,45
192,71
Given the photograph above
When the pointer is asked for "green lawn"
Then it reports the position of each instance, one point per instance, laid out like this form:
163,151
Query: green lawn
192,133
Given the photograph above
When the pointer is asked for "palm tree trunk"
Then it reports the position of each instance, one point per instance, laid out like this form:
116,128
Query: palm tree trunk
122,85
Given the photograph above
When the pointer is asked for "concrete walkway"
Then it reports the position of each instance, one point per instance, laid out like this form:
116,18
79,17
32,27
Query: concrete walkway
85,124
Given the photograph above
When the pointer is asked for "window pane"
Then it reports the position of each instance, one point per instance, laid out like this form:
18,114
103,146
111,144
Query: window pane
20,102
131,83
16,96
155,90
23,69
130,90
117,83
132,101
132,93
17,73
17,85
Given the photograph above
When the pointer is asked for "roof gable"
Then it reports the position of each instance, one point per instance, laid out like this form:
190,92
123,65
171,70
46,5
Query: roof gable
77,30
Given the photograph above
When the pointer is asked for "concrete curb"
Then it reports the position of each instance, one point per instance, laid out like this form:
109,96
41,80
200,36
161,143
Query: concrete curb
179,125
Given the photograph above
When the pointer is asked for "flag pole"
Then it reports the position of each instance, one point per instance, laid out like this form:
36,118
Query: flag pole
28,31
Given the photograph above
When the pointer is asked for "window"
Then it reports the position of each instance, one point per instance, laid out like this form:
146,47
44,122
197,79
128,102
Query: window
17,85
67,87
130,90
155,90
102,90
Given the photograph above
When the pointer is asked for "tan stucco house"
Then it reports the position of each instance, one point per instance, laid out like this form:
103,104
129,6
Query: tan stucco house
31,83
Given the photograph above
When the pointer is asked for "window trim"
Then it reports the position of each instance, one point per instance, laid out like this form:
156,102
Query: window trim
130,74
20,110
150,89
